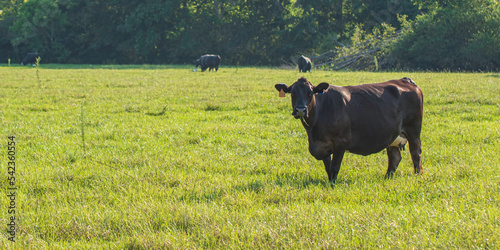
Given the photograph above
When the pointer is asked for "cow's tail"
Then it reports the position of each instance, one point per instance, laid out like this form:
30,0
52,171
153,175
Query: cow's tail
419,92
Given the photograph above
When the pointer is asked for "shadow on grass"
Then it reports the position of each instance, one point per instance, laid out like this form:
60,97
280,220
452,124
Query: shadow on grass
295,181
300,181
162,112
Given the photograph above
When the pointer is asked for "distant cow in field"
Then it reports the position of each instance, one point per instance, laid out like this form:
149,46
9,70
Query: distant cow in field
30,58
304,64
208,61
362,119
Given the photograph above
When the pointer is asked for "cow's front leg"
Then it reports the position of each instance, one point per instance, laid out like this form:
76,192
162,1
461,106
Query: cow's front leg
328,165
332,166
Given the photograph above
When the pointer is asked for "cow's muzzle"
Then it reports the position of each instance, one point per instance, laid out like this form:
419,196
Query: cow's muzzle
299,112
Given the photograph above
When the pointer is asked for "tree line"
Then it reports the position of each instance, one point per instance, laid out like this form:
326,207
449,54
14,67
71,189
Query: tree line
432,34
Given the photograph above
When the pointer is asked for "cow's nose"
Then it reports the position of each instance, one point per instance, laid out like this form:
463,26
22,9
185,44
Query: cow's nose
301,111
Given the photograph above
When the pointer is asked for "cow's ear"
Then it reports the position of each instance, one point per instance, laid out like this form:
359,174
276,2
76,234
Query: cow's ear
282,86
321,87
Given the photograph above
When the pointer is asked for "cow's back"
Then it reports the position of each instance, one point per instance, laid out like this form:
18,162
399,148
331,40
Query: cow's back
30,58
374,114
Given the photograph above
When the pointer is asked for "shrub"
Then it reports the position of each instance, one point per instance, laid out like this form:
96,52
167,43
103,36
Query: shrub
464,37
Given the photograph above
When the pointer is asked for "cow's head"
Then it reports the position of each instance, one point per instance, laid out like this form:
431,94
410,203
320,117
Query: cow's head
197,62
303,95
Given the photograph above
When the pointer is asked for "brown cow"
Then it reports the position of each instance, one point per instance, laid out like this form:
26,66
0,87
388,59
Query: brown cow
362,119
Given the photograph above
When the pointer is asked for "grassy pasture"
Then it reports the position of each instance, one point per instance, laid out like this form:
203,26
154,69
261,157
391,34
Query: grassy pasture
179,159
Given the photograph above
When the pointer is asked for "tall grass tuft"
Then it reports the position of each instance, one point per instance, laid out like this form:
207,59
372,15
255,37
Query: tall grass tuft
82,128
37,66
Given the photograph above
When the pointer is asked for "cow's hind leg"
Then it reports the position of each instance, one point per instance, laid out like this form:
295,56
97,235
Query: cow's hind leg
413,135
416,151
394,155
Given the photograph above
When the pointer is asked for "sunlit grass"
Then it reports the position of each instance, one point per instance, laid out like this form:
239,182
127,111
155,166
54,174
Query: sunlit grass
183,159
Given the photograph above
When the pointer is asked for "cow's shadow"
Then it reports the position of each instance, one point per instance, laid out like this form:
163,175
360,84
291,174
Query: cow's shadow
299,180
306,181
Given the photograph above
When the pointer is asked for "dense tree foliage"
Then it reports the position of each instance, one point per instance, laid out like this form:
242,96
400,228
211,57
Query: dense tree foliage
7,17
260,32
455,35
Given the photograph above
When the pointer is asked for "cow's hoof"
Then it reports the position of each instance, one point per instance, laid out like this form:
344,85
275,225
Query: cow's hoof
332,183
389,175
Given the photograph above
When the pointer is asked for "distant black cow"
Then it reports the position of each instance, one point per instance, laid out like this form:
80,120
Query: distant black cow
30,58
362,119
304,64
208,61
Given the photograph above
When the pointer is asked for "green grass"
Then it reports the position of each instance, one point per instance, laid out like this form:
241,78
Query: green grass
181,159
